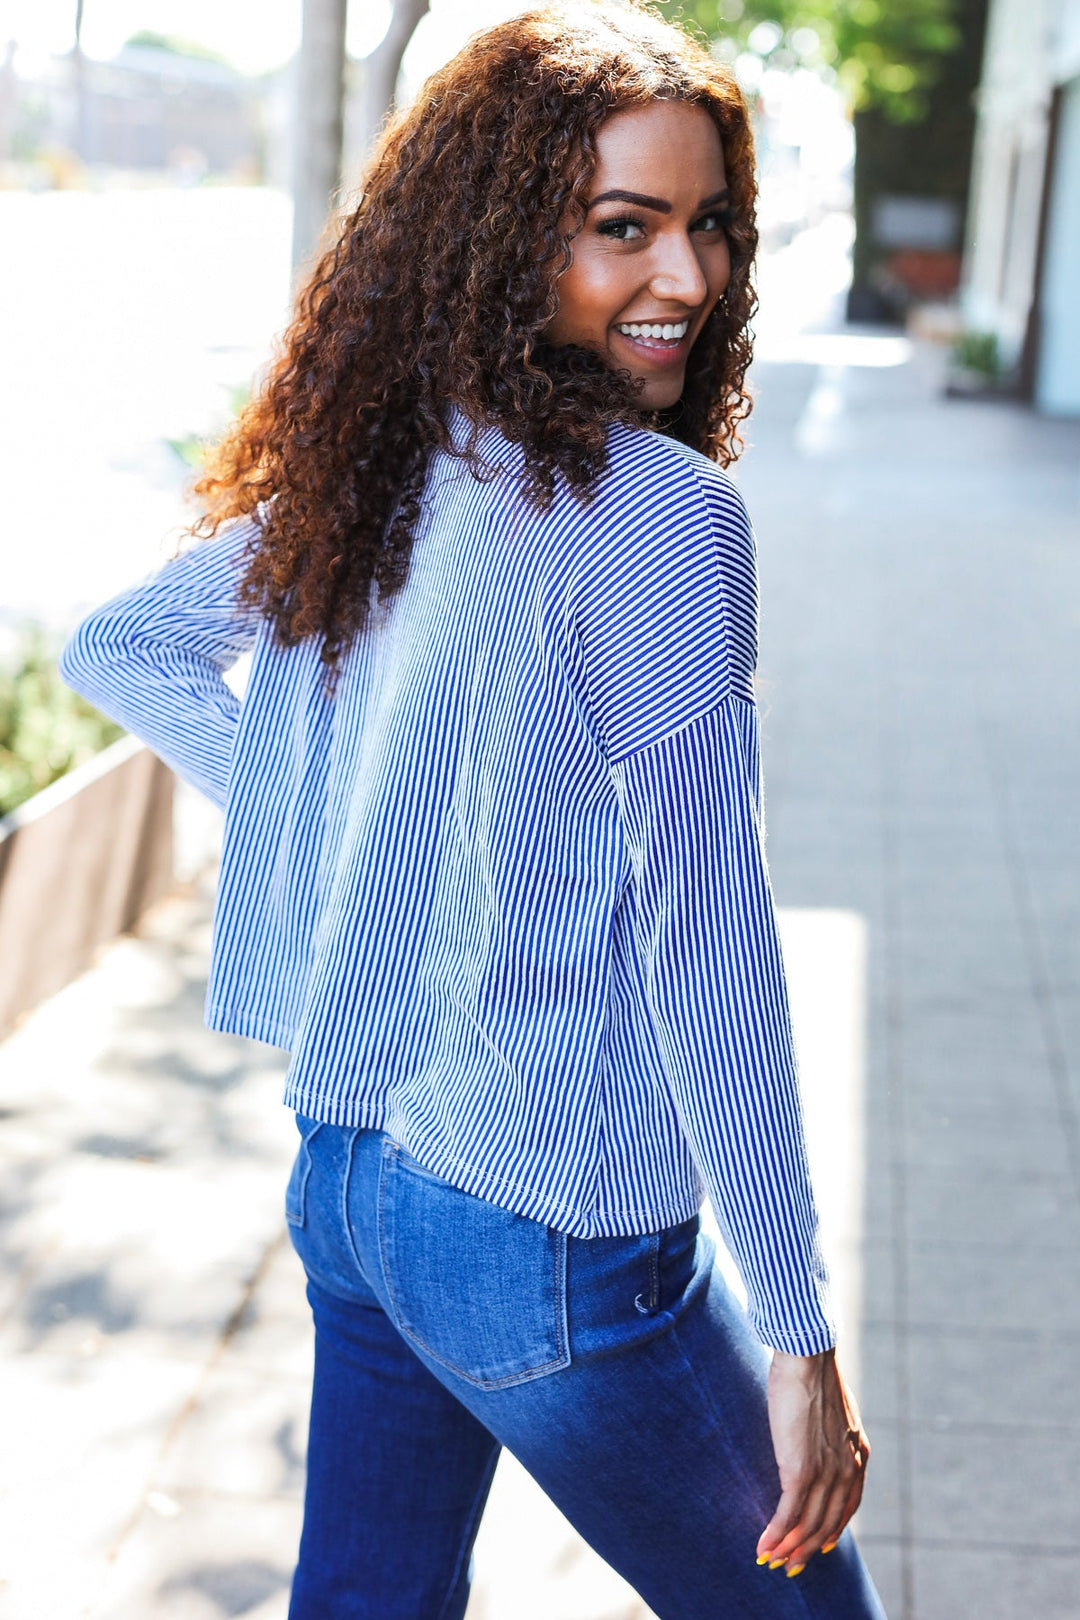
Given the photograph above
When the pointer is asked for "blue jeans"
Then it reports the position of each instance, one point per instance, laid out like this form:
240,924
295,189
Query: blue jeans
620,1371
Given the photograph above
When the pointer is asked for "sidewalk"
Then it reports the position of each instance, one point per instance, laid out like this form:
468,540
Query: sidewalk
919,564
920,581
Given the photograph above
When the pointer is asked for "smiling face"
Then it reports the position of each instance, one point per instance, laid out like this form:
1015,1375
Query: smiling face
652,257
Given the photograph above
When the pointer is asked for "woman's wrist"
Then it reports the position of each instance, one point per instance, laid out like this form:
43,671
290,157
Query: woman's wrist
786,1358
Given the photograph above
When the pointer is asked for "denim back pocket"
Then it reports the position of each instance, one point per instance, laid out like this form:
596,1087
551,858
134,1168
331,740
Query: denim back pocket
296,1191
477,1288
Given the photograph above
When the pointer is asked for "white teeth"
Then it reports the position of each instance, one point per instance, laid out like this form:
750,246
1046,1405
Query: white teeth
667,330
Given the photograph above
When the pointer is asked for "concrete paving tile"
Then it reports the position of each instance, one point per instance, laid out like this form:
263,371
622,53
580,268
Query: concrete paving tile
815,756
1014,1485
939,1137
981,1090
868,1266
949,967
195,1557
940,878
994,1050
985,1289
118,1246
942,797
1039,808
1058,972
123,1297
245,1435
882,1076
275,1334
882,1556
877,1392
81,1439
878,1206
994,1583
808,875
838,831
34,1582
808,842
1026,1381
1015,1214
62,1413
1043,842
946,828
1066,1023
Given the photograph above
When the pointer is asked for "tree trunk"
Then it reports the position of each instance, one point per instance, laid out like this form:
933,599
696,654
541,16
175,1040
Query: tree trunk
319,115
381,71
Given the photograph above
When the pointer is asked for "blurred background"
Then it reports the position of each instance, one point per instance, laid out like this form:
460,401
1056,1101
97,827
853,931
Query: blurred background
913,469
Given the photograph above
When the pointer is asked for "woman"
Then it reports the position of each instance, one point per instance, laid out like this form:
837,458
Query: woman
493,867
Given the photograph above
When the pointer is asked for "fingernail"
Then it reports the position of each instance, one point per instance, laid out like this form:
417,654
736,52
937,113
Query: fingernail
764,1559
797,1568
830,1547
776,1562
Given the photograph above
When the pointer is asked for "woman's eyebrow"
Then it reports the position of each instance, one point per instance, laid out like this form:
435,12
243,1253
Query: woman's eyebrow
657,203
635,197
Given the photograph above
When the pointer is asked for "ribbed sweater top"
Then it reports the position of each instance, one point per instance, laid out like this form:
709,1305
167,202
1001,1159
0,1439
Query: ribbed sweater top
504,894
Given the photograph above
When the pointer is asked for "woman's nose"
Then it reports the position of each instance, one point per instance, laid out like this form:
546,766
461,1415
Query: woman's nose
678,274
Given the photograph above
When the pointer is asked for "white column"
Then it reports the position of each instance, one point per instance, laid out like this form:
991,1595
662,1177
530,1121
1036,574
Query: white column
1057,387
318,122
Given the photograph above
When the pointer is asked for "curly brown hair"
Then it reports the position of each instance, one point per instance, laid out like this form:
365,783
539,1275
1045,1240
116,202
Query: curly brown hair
436,291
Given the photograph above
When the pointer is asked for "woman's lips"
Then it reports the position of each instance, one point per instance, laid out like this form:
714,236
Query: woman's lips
657,351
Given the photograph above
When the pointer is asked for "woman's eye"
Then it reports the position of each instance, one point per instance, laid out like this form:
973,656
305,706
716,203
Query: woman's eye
718,220
622,230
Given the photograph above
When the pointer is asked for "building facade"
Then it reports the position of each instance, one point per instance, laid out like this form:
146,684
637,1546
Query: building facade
1022,256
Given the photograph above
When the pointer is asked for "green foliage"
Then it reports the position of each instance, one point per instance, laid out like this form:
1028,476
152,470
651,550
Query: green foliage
978,351
45,727
885,53
148,40
192,448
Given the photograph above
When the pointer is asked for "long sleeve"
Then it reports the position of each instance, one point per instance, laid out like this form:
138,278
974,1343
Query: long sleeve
714,976
153,659
667,624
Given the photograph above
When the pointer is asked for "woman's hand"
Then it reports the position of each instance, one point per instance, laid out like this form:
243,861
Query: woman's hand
821,1452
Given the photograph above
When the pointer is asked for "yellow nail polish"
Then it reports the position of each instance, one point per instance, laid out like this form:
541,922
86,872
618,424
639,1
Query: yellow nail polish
764,1559
775,1563
830,1547
795,1570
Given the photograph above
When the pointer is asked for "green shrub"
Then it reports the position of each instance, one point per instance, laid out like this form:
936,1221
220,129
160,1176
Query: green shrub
45,728
978,351
191,449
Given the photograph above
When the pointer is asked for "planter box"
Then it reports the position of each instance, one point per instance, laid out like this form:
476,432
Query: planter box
79,863
963,383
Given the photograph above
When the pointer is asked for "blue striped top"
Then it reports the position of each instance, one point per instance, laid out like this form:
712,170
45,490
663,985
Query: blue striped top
505,895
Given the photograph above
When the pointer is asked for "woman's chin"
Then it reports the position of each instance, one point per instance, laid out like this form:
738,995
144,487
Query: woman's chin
660,393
